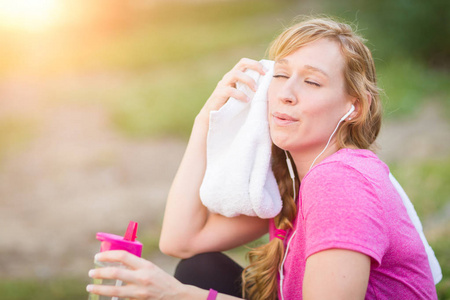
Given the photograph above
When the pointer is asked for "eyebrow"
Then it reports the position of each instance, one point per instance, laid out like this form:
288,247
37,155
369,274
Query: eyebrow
284,61
315,69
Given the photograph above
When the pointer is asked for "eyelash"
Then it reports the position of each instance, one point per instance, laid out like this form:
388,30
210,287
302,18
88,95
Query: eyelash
313,83
308,82
280,76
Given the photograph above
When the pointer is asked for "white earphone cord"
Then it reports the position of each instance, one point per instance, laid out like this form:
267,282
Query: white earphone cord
292,175
326,146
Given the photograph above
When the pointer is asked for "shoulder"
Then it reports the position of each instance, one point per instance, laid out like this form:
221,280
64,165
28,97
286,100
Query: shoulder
355,164
342,206
348,178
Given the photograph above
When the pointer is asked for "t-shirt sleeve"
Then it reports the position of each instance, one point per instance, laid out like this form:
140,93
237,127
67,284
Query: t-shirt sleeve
342,210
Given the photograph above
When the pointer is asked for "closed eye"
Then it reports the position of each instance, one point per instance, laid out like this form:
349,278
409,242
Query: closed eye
280,76
312,83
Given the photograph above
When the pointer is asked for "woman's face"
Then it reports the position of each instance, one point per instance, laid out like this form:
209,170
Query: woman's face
307,97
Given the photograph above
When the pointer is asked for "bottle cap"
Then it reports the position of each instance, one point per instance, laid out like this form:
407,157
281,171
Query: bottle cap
116,242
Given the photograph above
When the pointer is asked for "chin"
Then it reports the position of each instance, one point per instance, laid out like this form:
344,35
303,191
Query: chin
281,143
283,138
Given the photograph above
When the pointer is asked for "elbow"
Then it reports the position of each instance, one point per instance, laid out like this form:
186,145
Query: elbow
174,249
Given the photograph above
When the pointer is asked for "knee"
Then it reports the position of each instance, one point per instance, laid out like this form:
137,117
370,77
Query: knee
203,264
211,270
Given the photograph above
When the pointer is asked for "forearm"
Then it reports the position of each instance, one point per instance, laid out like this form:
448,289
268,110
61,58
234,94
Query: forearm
143,279
185,231
185,215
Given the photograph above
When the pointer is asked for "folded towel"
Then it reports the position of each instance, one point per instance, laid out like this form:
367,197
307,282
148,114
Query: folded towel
238,178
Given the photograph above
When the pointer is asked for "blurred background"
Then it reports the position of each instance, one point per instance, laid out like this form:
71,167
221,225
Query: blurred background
97,99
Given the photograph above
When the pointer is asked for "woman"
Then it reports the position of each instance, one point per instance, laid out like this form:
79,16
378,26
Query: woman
348,233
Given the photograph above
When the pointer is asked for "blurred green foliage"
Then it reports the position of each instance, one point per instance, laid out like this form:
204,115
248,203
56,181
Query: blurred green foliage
170,32
173,53
407,40
407,84
186,48
415,28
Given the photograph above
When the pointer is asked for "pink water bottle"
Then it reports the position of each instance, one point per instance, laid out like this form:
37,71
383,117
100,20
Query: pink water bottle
115,242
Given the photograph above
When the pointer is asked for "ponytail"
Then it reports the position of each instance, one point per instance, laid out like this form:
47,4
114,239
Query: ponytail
260,277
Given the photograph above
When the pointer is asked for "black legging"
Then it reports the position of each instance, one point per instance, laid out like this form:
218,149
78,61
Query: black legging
212,270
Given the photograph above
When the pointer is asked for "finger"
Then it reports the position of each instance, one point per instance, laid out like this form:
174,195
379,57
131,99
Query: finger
246,63
236,94
125,291
129,260
124,275
231,78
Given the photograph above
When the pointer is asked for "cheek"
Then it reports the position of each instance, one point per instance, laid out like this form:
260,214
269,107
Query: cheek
270,101
271,92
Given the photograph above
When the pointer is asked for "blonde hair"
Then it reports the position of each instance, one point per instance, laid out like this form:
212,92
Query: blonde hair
260,277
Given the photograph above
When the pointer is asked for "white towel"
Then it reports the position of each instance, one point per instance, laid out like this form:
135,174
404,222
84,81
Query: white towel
239,179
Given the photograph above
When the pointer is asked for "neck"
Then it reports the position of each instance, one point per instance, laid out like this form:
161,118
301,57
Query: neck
304,159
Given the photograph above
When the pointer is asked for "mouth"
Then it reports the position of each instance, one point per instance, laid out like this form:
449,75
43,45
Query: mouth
281,119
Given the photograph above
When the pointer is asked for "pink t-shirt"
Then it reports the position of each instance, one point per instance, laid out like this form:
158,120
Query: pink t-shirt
348,202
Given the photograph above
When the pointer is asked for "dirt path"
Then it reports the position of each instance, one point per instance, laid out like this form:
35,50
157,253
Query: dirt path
78,177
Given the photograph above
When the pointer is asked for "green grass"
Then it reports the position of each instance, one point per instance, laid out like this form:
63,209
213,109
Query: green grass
60,288
441,248
427,184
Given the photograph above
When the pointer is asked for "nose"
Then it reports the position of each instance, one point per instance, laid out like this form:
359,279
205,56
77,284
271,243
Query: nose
287,92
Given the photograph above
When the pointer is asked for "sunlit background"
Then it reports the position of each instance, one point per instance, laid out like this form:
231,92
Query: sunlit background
97,99
30,15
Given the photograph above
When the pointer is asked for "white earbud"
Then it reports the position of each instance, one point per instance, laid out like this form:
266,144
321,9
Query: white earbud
291,173
289,164
352,109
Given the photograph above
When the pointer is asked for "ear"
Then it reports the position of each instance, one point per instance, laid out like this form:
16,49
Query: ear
358,106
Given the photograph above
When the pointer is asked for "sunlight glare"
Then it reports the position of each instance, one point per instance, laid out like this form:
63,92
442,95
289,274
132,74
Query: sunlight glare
33,15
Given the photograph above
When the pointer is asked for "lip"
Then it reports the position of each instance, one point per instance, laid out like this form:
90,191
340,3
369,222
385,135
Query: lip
282,119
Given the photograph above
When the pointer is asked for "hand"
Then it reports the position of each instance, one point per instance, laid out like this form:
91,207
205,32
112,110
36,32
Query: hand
226,87
143,279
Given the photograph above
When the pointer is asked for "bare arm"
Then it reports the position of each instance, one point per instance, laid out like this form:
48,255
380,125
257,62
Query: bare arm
336,274
188,227
143,279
